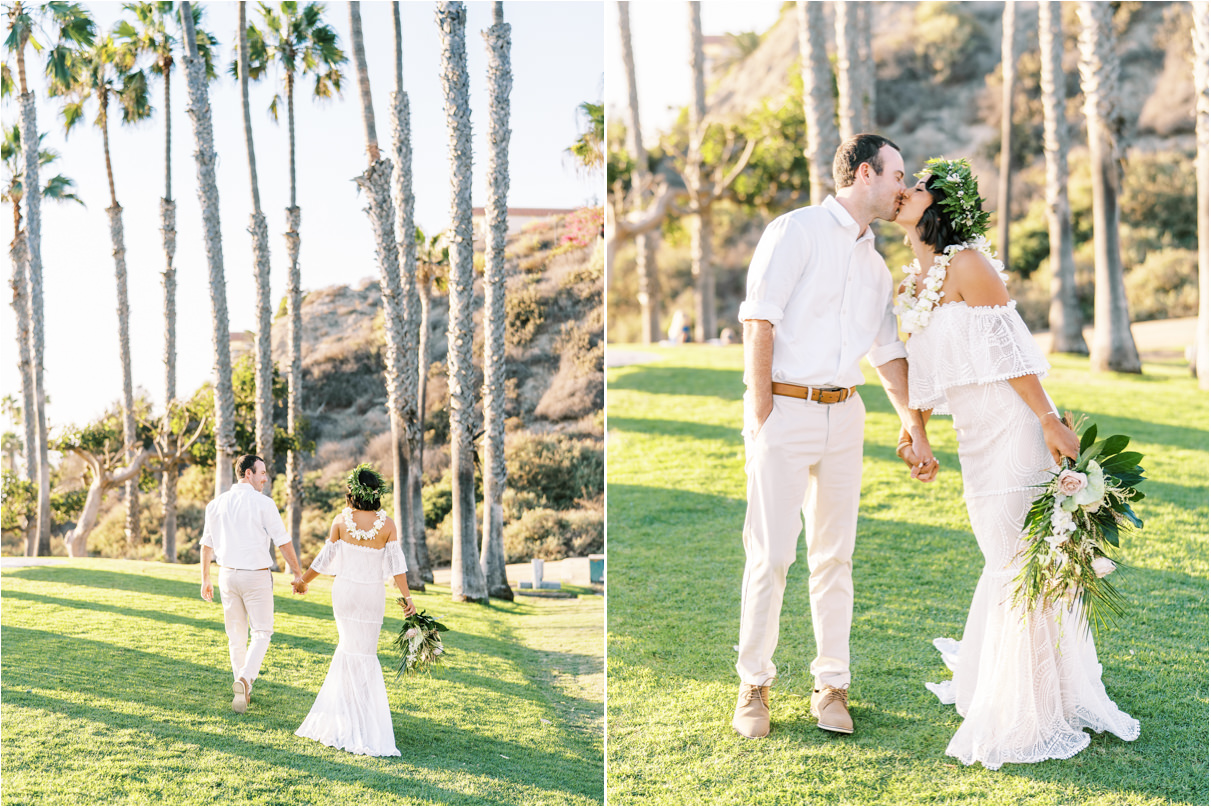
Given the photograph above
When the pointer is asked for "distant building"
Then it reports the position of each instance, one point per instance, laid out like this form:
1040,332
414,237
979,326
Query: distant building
518,218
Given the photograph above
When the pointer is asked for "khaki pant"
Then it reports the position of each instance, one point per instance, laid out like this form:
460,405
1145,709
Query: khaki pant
803,467
247,597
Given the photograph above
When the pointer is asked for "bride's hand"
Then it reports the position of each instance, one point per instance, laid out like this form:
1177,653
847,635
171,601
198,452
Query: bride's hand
1061,441
925,468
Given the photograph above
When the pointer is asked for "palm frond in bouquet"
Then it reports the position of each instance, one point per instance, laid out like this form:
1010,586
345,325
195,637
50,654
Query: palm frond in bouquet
420,643
1083,511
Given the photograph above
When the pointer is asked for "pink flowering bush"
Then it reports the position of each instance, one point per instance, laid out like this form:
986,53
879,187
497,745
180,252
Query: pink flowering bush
583,226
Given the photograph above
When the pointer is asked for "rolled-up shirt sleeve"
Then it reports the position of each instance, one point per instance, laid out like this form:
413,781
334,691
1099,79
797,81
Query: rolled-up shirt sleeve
208,526
887,345
271,520
778,261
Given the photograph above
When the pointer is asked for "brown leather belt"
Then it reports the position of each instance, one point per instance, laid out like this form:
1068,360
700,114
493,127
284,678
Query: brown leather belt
824,395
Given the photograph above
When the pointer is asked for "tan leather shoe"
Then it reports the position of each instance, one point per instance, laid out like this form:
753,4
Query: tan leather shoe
831,706
751,718
240,701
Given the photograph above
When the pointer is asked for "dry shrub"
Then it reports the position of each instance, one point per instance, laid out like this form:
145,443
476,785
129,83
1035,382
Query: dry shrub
552,535
1164,285
558,469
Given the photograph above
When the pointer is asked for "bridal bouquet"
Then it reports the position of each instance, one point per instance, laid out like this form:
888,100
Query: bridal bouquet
420,643
1071,525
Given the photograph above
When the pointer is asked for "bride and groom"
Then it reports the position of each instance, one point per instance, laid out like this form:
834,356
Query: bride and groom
351,711
819,298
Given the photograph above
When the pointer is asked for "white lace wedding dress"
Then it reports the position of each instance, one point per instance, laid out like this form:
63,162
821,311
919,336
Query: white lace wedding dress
1026,684
351,711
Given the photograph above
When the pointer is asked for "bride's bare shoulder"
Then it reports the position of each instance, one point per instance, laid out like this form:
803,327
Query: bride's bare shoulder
978,280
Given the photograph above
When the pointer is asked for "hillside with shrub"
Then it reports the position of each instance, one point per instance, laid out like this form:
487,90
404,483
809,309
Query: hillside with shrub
553,505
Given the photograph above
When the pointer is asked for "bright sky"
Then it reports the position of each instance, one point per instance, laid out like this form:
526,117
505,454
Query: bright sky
558,63
660,43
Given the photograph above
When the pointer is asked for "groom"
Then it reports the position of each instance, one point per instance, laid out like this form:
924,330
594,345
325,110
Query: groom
239,524
819,298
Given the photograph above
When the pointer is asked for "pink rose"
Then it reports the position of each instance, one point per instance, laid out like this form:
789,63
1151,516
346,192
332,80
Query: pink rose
1102,566
410,633
1071,482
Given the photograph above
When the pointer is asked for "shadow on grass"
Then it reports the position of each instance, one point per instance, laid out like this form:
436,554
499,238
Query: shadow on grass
281,708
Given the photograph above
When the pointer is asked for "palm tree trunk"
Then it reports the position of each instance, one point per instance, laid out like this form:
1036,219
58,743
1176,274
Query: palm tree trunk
363,80
294,320
259,229
32,197
645,245
1009,75
1202,52
466,577
496,215
818,104
168,499
849,99
19,255
168,233
418,461
700,194
866,59
1113,345
208,196
407,478
1065,313
129,430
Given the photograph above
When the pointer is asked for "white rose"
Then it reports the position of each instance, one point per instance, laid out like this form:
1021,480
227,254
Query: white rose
1056,540
1102,566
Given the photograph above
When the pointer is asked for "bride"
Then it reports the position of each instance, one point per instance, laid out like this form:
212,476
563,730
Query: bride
351,711
1026,684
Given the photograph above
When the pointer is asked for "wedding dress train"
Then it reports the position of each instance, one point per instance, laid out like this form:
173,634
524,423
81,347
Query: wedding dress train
1026,684
351,711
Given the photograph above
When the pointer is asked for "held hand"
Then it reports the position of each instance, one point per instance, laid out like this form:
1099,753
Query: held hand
207,591
299,586
1061,440
923,465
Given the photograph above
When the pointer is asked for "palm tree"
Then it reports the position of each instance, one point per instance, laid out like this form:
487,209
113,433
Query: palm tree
1009,76
407,493
433,261
150,35
467,581
301,43
496,214
1065,313
259,230
57,188
700,216
376,182
1202,53
849,69
645,243
866,60
208,196
589,148
818,106
71,27
1113,345
104,73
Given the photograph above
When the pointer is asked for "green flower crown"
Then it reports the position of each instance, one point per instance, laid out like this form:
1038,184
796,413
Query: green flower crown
962,200
363,492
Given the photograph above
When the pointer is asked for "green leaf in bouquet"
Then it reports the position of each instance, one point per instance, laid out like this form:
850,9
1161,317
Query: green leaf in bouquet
1088,438
1110,532
1136,497
1125,461
1129,514
1113,445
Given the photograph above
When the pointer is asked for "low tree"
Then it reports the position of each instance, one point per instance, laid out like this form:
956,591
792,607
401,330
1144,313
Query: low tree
172,439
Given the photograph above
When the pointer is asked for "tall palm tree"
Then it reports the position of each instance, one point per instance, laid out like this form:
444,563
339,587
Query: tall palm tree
849,68
1113,345
1065,313
104,73
1202,53
1009,77
71,27
58,188
818,106
866,60
376,183
467,581
696,184
151,34
301,43
208,196
407,493
259,230
432,264
496,215
645,243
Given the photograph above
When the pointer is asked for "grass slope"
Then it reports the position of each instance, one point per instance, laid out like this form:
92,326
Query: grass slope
676,506
116,689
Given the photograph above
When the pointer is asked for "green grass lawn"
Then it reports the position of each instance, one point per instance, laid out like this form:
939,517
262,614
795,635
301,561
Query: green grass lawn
117,689
676,506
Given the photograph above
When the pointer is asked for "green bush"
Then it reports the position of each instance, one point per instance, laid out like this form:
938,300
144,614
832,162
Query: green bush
558,470
551,535
1164,285
947,40
524,313
438,500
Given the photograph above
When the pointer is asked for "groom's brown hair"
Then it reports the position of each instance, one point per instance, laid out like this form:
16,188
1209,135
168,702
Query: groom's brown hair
854,152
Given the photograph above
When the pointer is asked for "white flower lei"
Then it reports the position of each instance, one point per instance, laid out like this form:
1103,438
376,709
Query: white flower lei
916,310
363,535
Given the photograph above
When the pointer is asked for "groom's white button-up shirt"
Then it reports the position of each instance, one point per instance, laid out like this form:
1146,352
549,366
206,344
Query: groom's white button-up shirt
238,524
828,294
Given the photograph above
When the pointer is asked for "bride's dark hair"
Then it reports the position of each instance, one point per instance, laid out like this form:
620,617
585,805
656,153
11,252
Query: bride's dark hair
370,483
935,227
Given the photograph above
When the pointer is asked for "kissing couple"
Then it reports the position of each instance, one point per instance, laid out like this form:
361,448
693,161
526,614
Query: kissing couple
819,298
351,711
